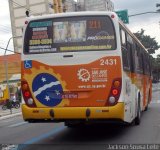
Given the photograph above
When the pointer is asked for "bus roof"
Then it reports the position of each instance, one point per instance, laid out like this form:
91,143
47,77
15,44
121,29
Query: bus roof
72,14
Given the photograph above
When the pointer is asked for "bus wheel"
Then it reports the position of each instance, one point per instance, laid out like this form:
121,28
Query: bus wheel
138,117
146,108
69,124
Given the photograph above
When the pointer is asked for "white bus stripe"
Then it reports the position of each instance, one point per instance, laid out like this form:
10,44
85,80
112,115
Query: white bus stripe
17,124
45,87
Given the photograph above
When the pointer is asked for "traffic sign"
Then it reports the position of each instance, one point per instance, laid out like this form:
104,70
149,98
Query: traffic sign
123,15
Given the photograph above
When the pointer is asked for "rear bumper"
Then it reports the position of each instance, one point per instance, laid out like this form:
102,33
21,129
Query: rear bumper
67,113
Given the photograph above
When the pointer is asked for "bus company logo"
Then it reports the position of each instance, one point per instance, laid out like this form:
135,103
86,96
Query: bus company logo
47,89
83,75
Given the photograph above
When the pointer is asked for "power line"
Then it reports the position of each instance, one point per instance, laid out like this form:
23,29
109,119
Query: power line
9,50
5,41
17,4
5,26
22,6
5,30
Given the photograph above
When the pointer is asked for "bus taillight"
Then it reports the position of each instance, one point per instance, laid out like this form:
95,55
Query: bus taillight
114,92
27,94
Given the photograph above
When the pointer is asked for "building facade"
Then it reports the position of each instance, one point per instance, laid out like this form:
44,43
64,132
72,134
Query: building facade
95,5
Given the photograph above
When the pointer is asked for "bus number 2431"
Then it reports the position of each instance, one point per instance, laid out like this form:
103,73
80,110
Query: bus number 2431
108,62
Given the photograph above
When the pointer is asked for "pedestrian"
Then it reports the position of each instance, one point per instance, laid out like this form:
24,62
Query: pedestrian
13,98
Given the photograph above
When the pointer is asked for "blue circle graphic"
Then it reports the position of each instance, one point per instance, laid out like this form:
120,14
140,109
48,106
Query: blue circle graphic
47,89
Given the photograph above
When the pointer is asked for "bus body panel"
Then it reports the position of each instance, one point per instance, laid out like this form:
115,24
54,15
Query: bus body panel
135,85
75,113
77,85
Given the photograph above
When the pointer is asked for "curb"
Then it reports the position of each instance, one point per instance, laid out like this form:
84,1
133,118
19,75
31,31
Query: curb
10,115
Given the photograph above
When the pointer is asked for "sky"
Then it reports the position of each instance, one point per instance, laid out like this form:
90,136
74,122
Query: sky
5,26
149,22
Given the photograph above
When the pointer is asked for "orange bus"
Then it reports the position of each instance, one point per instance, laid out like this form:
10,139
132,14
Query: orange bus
83,67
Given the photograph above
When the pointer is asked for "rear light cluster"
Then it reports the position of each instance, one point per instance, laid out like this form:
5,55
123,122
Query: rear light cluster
27,94
115,92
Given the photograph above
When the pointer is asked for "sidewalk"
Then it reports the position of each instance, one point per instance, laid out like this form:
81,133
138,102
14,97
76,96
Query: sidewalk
155,86
4,114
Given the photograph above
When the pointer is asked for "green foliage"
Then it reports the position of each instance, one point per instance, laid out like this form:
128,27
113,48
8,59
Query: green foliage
156,68
156,63
149,43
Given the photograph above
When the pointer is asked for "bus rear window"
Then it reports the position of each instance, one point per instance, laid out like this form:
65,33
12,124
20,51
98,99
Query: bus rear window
70,34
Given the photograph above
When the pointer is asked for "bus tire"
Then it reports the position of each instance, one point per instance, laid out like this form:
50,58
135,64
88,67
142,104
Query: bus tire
138,117
30,121
72,124
146,108
69,124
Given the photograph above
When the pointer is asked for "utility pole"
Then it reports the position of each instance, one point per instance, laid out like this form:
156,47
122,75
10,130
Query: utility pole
6,68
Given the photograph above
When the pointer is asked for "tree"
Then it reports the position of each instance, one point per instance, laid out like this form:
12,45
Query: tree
155,65
149,43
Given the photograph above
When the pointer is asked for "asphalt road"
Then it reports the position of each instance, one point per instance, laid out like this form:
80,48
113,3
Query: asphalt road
56,135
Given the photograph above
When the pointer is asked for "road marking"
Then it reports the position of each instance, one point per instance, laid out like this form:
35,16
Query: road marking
17,124
46,135
8,120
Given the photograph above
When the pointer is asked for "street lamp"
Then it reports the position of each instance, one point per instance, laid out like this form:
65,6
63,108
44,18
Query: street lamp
149,12
6,65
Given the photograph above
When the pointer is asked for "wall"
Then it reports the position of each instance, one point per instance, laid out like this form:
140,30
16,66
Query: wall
14,66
